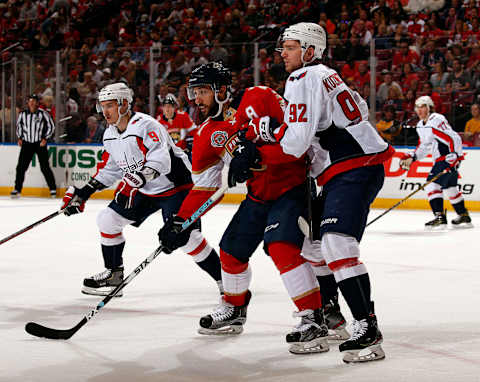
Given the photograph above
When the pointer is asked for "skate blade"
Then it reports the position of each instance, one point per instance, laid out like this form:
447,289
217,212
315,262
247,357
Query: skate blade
318,345
462,226
442,227
339,334
231,330
372,353
100,291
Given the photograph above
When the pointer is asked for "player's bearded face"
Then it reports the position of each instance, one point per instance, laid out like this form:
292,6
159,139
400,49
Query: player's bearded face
204,99
291,55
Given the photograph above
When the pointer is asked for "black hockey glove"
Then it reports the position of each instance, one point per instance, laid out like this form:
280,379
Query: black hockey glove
171,235
75,198
245,157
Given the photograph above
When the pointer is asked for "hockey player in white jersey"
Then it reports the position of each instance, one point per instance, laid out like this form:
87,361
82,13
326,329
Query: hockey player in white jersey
154,174
330,121
439,139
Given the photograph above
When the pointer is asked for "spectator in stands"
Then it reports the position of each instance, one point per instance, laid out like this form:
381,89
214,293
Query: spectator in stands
382,93
405,55
383,39
394,97
409,78
388,127
427,89
431,56
73,102
408,103
95,131
75,129
197,59
458,78
218,52
356,51
473,125
46,103
439,78
475,77
362,75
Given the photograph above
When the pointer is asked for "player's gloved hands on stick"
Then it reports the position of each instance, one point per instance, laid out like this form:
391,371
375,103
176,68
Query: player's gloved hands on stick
245,157
128,187
406,161
171,236
73,203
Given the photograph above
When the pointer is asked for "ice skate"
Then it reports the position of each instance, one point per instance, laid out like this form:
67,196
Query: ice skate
335,321
53,194
103,283
439,223
14,194
310,336
364,344
226,319
462,221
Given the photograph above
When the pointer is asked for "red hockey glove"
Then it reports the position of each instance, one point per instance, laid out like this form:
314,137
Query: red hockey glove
128,187
406,161
72,202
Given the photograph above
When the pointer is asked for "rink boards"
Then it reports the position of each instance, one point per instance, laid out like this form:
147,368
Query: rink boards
74,164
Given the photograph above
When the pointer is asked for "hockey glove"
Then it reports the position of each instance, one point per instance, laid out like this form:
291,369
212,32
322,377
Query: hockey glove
261,130
72,203
406,161
452,159
245,157
75,198
128,187
171,236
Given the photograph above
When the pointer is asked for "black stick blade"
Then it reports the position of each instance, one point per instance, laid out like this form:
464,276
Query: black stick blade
44,332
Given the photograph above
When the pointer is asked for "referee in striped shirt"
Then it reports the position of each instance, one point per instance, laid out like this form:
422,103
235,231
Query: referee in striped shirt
34,127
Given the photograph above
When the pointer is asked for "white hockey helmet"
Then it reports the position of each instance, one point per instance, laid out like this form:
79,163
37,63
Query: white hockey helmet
307,34
424,100
118,91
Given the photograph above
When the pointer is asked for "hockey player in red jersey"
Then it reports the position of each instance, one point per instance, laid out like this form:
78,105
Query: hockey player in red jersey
275,200
178,123
154,175
328,120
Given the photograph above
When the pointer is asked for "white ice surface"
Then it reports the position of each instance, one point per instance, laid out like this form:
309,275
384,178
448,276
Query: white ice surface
426,288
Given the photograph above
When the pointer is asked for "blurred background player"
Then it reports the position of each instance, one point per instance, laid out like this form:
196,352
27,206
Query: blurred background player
154,174
178,123
34,127
275,200
437,137
330,121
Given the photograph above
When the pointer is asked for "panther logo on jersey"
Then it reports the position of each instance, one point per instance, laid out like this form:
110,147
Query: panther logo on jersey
219,138
232,143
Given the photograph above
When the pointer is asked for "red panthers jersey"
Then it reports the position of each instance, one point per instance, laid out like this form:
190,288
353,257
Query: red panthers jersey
179,127
283,171
216,139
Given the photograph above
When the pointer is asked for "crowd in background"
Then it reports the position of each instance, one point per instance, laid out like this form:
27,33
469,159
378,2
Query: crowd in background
432,49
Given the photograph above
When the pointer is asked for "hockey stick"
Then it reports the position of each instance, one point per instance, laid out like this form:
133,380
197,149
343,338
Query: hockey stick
411,194
38,330
46,218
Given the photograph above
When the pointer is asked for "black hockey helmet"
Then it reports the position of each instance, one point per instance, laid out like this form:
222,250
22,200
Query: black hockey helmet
213,74
170,99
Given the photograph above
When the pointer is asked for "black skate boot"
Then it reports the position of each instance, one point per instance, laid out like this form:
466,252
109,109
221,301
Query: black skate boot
104,282
15,194
335,321
366,338
310,336
462,221
226,319
440,221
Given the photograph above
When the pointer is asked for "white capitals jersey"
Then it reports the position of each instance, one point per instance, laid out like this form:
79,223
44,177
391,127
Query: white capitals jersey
145,142
327,118
437,138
